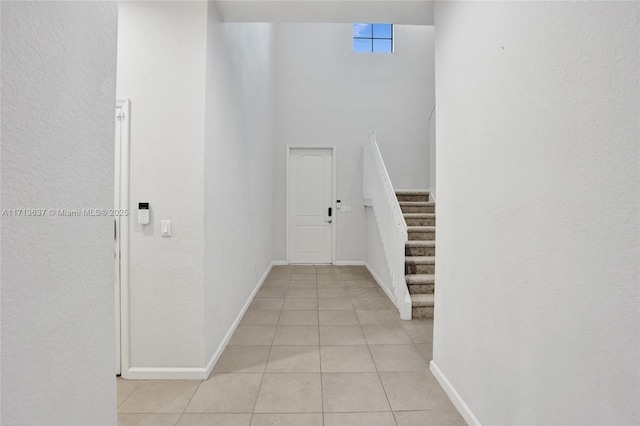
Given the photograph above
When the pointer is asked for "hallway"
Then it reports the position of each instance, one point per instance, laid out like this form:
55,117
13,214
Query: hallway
318,345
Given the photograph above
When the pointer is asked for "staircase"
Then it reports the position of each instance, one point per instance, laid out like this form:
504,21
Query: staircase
420,250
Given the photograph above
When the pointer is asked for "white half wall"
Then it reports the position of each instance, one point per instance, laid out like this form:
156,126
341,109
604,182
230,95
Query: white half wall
161,68
58,121
238,170
375,257
327,95
536,312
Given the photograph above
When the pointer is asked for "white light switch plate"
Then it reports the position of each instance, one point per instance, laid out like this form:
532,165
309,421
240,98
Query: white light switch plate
165,228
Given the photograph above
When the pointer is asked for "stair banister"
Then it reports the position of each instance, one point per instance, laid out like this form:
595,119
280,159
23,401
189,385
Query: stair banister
378,193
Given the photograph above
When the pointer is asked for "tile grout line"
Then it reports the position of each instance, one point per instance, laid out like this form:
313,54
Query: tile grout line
381,383
264,371
255,403
320,356
190,399
128,396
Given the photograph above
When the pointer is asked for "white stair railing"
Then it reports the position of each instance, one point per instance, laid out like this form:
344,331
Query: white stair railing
378,192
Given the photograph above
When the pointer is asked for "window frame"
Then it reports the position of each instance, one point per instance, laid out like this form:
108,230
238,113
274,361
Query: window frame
373,38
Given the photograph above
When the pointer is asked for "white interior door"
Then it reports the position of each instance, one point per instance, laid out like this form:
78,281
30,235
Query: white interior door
310,209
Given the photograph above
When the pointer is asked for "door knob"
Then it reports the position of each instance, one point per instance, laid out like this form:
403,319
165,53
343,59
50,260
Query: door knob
328,221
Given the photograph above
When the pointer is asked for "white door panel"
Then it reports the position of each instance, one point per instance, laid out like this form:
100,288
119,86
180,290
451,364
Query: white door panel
310,195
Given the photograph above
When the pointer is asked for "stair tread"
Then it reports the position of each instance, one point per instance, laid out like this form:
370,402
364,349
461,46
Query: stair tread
420,260
422,228
412,192
420,278
419,215
422,300
416,203
420,243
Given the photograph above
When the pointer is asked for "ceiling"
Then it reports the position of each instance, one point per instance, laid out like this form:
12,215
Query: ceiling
412,12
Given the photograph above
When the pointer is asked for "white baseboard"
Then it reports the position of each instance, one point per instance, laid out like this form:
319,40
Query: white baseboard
432,195
380,282
216,355
195,373
407,314
453,395
165,373
336,263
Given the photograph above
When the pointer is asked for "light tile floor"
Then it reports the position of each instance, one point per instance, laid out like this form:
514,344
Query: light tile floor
319,345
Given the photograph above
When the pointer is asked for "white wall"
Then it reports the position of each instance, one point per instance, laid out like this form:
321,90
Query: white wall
202,97
238,169
374,250
432,154
397,11
58,97
161,68
537,317
328,95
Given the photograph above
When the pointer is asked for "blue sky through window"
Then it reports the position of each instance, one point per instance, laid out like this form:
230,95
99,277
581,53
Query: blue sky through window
373,38
362,30
381,30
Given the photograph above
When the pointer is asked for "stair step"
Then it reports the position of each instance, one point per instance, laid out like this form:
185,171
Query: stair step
419,279
421,288
420,244
412,195
422,312
417,207
420,260
417,204
419,300
421,232
419,265
422,305
412,192
420,283
420,248
420,219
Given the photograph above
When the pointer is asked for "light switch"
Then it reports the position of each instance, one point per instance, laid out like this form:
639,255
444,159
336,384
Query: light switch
165,228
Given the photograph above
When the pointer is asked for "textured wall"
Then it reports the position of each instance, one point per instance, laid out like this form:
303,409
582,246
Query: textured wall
161,68
202,147
328,95
537,318
238,169
58,100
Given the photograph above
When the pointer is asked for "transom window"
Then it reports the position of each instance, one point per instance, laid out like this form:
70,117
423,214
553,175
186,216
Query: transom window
373,38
